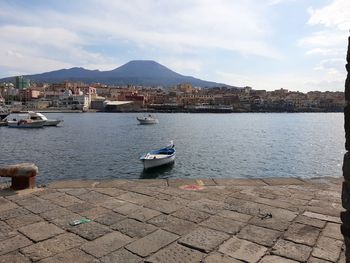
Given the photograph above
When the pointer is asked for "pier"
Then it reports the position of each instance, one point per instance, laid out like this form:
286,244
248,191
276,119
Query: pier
282,220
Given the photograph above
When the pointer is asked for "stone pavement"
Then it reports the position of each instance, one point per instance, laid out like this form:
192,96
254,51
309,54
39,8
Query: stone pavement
175,220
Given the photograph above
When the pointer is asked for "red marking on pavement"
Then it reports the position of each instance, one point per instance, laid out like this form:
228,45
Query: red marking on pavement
192,187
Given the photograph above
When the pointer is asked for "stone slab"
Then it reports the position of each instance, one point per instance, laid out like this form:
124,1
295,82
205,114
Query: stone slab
223,224
310,221
322,217
327,249
72,184
89,231
40,231
143,214
302,234
13,243
220,258
276,259
176,253
106,244
204,239
173,224
121,255
292,250
259,235
332,230
110,218
151,243
243,250
235,215
191,215
166,207
134,228
23,220
283,181
239,182
73,255
14,257
52,246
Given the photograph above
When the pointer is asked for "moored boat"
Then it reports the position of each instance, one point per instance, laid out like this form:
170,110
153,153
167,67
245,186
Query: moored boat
159,157
31,116
25,123
147,119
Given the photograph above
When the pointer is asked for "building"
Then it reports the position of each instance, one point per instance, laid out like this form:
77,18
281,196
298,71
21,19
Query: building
21,83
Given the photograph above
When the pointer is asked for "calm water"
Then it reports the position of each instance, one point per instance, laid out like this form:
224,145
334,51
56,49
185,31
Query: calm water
108,145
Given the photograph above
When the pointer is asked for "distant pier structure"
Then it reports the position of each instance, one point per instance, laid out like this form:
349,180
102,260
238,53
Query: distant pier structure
345,216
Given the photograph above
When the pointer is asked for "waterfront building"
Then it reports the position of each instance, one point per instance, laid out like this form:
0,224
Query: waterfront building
21,83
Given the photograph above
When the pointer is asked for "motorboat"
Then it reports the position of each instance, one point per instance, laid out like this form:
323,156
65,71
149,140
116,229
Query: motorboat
25,123
3,112
159,157
34,116
148,119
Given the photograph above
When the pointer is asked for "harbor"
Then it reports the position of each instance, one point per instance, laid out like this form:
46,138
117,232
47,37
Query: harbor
284,220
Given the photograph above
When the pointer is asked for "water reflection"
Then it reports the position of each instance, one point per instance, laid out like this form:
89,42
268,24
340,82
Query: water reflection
156,172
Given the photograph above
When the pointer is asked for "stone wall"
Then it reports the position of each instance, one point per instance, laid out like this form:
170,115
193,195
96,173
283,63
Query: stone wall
345,216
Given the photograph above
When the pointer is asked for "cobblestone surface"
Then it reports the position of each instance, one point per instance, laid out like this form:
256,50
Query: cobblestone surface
133,221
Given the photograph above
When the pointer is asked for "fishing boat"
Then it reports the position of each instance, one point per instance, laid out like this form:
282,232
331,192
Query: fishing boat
159,157
147,119
25,123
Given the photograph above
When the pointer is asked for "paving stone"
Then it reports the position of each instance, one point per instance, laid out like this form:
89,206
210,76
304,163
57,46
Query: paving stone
121,255
280,218
292,250
95,212
134,228
54,195
332,230
13,243
220,258
41,207
276,259
6,204
11,213
322,217
283,181
260,235
52,246
23,220
73,255
67,200
110,191
76,191
166,207
204,239
173,224
239,182
14,257
242,249
235,215
144,214
151,243
109,218
327,248
176,253
89,231
93,197
57,213
6,231
82,207
127,209
192,215
310,221
303,234
112,203
318,260
40,231
223,224
135,198
106,244
69,184
208,206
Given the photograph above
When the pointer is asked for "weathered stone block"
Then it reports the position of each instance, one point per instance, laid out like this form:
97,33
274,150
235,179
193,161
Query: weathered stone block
134,228
303,234
223,224
13,244
191,215
327,248
151,243
260,235
121,255
345,195
40,231
173,224
292,250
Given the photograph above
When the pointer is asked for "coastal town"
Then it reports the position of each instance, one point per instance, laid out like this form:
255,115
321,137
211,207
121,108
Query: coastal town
23,94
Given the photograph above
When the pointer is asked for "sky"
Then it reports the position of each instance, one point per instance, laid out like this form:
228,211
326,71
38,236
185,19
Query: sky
298,45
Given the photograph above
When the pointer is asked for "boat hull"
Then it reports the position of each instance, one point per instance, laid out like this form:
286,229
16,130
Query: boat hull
52,122
147,121
152,163
22,124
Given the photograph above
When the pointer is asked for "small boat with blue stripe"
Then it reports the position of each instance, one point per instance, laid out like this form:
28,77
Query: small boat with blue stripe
159,157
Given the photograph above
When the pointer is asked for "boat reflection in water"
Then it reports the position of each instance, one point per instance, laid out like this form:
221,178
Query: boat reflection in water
157,172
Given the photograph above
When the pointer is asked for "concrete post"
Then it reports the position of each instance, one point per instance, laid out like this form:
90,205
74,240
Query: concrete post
345,216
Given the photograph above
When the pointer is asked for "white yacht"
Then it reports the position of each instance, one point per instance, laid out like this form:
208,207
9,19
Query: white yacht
29,117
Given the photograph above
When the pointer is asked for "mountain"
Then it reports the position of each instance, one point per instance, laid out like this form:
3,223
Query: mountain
136,72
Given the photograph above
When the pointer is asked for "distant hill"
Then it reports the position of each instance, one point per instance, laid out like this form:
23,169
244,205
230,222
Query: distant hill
136,72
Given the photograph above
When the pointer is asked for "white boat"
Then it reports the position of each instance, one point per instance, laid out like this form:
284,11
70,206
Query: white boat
147,119
25,123
159,157
34,116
